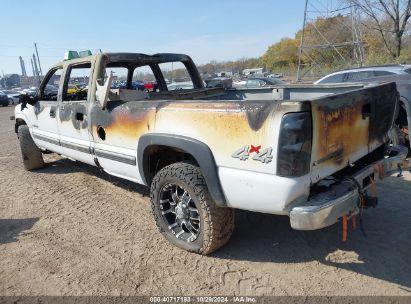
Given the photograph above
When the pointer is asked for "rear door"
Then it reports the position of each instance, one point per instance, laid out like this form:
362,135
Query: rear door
349,126
73,114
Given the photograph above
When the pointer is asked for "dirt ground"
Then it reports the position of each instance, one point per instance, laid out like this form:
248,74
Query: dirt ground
68,229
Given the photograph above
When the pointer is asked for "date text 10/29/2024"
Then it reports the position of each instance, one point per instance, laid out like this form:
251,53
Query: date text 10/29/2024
205,299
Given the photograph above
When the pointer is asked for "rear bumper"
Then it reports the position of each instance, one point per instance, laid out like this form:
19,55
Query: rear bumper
326,208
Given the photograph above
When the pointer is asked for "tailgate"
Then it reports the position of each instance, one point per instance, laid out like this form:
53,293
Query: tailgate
348,126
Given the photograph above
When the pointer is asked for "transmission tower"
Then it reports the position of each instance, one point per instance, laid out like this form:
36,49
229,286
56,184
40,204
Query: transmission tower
345,49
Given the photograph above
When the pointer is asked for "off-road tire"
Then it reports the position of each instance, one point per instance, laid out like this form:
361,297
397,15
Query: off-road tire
32,156
216,223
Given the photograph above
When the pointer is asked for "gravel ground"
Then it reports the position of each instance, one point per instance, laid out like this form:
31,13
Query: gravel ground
68,229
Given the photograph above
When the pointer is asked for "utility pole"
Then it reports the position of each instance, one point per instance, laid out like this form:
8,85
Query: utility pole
32,66
23,67
345,49
38,59
4,79
35,66
300,50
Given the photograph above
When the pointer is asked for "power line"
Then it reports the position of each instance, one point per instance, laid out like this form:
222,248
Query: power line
341,47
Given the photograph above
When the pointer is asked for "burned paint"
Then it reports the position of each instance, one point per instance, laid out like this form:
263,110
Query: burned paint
257,112
349,126
76,112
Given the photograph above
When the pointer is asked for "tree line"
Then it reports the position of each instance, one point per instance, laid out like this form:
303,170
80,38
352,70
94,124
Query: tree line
385,38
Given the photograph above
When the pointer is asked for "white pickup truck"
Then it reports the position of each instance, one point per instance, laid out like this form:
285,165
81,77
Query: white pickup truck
307,152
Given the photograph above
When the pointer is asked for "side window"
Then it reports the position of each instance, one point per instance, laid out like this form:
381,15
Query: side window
176,76
144,79
50,90
253,83
119,77
383,73
360,75
76,85
334,78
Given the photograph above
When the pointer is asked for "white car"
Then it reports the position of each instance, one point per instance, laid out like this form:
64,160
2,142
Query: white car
359,74
186,85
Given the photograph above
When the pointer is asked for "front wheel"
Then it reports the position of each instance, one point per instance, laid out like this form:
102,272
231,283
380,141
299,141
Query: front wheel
184,211
31,154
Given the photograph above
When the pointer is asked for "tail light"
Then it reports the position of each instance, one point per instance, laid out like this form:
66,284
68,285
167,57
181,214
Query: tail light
294,144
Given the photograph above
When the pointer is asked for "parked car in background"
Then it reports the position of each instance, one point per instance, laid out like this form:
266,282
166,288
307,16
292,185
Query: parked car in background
219,82
13,96
4,99
73,88
403,121
137,85
150,86
359,74
31,91
257,82
275,75
186,85
401,75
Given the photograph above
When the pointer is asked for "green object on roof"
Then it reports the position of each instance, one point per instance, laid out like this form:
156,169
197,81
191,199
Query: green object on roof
71,55
85,53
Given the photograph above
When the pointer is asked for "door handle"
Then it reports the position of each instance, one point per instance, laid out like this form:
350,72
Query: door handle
79,116
52,113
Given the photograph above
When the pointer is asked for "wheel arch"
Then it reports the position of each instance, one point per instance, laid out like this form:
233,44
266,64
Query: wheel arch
199,151
19,122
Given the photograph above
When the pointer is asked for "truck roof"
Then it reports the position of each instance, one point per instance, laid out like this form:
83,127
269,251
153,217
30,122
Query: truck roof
131,57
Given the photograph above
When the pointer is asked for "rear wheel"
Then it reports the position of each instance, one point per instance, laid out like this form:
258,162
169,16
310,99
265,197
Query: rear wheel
184,211
32,156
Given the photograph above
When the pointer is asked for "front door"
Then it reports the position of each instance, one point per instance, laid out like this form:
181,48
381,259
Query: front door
45,125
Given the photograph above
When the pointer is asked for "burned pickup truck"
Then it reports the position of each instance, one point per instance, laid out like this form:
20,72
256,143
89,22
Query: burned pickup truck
294,151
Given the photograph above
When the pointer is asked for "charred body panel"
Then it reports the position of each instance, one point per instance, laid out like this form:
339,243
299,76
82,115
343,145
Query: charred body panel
223,126
348,126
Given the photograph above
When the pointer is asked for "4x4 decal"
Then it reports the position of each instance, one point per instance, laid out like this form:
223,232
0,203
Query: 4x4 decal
265,156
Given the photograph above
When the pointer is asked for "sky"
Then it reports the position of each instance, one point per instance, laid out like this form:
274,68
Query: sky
206,30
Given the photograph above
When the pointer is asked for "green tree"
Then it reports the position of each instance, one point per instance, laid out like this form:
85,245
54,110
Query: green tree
281,54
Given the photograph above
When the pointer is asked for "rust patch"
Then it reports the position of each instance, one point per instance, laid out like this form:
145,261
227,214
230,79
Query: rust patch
340,132
125,124
348,126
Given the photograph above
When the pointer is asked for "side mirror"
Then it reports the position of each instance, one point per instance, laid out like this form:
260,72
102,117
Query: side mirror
103,91
27,99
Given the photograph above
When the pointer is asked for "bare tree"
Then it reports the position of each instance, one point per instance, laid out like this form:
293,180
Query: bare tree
390,18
